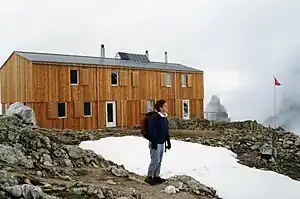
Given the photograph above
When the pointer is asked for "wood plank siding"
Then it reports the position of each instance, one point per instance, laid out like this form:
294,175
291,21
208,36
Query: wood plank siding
42,85
15,80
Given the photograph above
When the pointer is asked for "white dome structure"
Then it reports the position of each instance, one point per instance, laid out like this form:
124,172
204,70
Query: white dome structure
214,110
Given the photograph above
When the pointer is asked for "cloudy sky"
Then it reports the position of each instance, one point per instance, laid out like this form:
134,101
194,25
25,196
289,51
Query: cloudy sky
240,44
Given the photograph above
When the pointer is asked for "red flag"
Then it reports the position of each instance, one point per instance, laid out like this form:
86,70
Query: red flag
277,83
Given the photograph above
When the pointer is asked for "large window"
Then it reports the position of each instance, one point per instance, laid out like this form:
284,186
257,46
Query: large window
114,78
74,80
61,110
87,109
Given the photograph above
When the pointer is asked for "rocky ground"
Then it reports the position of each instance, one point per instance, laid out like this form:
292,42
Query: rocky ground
251,141
47,164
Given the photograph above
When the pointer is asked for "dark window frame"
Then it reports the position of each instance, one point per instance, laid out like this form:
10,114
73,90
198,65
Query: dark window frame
117,78
59,111
72,78
90,109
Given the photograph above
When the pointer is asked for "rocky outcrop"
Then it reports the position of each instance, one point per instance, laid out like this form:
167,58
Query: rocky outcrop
14,156
252,142
25,146
22,146
119,171
203,124
187,183
10,187
36,164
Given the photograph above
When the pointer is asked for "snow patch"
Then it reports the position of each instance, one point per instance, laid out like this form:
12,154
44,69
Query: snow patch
216,167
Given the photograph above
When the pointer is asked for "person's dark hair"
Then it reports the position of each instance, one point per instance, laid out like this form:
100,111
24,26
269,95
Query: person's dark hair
159,104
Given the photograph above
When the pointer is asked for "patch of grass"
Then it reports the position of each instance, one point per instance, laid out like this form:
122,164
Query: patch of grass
72,195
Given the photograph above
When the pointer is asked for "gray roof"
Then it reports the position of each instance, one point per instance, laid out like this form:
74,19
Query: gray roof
76,59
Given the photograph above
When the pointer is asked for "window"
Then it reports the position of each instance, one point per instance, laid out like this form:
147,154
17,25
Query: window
74,77
87,109
183,80
150,105
111,117
169,80
61,110
114,78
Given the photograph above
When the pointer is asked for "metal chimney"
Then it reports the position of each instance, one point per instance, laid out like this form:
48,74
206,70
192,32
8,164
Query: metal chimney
166,57
147,54
102,51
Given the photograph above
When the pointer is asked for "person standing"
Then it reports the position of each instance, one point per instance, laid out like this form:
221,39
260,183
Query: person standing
158,129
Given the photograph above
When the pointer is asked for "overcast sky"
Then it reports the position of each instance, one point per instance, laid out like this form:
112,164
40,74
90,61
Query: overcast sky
239,44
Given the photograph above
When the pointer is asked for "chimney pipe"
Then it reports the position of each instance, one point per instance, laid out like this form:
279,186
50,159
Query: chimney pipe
147,54
102,51
166,57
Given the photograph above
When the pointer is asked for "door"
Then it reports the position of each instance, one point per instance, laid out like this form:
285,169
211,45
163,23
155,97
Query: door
185,109
111,114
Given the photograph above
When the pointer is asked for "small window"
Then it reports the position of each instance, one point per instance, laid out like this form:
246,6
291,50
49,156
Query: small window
183,80
74,77
150,105
169,80
186,109
62,113
87,109
114,78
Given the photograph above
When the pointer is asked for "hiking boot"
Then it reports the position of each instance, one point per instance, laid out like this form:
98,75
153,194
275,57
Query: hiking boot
150,180
159,180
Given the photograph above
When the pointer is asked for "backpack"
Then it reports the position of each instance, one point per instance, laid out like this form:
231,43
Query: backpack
144,124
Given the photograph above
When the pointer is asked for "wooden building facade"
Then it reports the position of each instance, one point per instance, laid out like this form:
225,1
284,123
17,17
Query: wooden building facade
79,92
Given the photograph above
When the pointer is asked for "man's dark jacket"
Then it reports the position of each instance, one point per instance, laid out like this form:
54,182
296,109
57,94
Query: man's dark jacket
158,129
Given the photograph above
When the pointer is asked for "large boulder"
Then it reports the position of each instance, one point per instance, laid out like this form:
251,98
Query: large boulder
14,156
189,184
23,112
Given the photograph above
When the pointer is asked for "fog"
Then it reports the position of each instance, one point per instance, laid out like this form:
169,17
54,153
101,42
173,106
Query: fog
287,112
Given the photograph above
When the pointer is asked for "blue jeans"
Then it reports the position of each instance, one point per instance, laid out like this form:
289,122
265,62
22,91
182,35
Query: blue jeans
156,159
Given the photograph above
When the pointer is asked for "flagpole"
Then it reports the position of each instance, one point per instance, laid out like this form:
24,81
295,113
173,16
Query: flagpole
274,102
